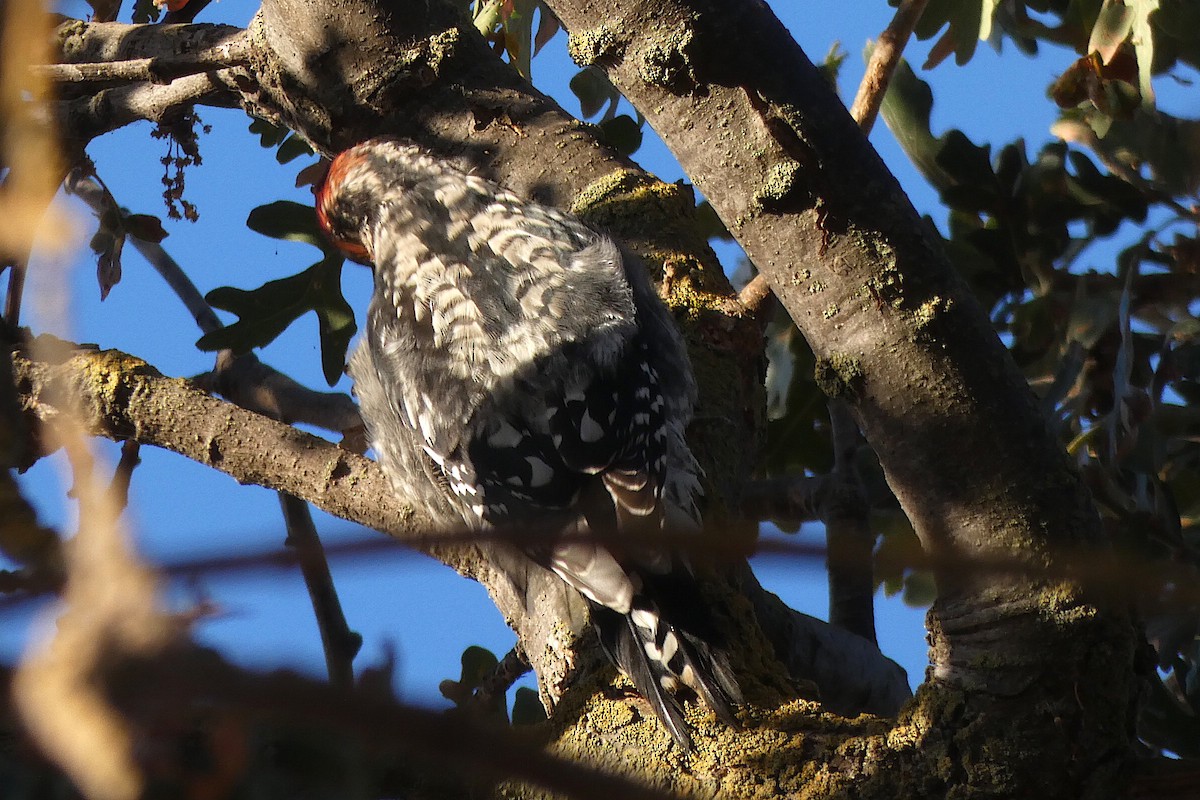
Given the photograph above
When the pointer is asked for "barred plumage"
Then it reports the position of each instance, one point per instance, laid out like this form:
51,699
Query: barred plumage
516,367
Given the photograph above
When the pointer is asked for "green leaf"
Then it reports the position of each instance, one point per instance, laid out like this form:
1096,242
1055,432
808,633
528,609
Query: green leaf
906,109
268,311
289,221
518,35
269,135
145,11
292,148
797,424
967,21
920,589
831,66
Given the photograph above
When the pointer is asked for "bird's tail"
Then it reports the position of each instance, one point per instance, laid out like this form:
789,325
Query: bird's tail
665,660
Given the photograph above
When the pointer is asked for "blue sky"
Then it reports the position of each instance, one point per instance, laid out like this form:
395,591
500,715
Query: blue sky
180,510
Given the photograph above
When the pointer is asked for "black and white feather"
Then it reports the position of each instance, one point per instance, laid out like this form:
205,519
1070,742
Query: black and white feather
517,366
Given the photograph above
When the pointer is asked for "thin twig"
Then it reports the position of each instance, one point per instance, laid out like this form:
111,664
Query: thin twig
755,296
243,379
340,643
123,475
85,118
258,387
848,535
16,289
884,59
507,672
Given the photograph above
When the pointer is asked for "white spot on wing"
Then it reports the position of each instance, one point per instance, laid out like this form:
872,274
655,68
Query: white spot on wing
541,471
507,436
589,429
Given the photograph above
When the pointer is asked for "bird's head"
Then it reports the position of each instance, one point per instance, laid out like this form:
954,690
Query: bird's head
358,184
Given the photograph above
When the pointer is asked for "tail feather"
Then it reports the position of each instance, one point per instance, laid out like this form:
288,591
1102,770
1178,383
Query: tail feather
661,660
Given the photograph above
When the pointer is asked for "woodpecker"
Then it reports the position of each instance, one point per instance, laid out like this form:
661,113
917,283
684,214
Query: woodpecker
518,367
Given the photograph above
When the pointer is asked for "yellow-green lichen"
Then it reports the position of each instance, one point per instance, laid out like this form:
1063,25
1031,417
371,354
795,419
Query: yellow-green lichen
783,180
839,375
595,46
830,311
656,219
668,62
929,309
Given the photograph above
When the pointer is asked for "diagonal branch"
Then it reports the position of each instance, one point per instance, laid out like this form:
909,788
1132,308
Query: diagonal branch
885,57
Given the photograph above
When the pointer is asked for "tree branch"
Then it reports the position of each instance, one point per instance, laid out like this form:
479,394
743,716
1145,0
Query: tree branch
107,42
885,57
161,69
339,643
850,542
896,334
86,118
124,398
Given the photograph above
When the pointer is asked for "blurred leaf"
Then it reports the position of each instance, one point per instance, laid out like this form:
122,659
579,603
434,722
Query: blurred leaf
1170,146
710,225
267,311
920,589
527,707
1110,87
831,65
1112,27
292,148
548,25
269,135
797,414
967,21
594,91
898,553
622,133
906,109
146,227
477,664
518,34
145,11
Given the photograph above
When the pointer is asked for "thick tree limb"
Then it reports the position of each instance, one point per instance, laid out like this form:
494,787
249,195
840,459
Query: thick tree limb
83,42
898,336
